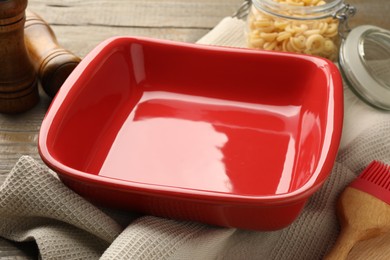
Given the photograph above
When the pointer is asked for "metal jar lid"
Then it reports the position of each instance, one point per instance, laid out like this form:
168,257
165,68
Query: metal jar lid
365,63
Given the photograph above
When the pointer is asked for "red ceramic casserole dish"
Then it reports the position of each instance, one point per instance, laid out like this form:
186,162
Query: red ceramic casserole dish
226,136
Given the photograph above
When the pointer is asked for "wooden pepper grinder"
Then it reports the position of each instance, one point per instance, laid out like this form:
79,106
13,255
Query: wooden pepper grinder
52,62
18,80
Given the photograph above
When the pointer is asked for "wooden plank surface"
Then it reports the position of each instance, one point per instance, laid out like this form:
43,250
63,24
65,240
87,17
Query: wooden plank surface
185,20
81,24
136,13
374,12
80,46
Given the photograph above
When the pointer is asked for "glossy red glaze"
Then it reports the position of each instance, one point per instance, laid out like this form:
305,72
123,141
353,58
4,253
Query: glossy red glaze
227,136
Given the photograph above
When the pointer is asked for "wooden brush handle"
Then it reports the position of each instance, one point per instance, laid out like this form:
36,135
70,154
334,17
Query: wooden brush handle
345,242
52,62
18,81
376,248
362,217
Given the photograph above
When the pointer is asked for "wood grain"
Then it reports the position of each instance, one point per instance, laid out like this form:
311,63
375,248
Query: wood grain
19,135
81,24
374,12
81,46
18,80
377,248
361,217
51,61
137,13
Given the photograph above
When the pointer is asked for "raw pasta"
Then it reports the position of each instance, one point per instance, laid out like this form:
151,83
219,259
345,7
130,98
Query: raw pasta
316,37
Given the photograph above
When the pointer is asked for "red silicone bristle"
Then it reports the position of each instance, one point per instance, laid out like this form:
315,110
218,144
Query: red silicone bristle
375,180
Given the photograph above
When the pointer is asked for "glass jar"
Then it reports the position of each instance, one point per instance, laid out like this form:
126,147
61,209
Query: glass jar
301,26
364,61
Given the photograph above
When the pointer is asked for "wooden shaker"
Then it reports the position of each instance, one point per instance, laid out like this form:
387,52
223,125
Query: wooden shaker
18,80
52,62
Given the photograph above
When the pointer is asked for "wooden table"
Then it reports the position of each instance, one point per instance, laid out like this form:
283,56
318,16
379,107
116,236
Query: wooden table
80,25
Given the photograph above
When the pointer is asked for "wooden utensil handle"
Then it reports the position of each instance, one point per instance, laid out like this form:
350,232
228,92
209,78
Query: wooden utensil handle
362,217
375,248
52,62
345,242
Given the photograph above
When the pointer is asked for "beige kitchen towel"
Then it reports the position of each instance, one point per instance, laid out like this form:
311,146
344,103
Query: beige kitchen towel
36,206
229,32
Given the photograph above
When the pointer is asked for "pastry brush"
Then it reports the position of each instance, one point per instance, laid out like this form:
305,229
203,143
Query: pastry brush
363,209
